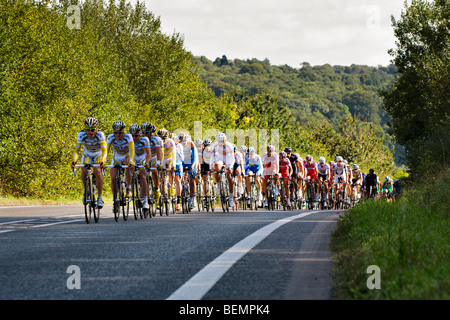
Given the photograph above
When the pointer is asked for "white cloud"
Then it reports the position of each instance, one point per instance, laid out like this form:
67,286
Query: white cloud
284,31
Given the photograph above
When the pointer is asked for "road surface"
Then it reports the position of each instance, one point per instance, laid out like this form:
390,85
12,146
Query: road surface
49,252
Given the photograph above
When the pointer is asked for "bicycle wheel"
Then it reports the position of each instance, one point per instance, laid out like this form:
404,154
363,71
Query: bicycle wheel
124,201
116,200
212,198
95,209
87,199
137,204
199,195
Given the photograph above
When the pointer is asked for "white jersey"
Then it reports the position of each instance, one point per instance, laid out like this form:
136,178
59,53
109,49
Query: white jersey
222,152
323,170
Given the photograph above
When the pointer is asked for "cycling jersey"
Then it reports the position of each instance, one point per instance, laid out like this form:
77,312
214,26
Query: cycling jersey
284,165
94,149
294,160
311,169
180,159
122,147
155,142
340,172
141,148
387,186
222,152
323,171
371,179
253,163
169,153
270,164
238,160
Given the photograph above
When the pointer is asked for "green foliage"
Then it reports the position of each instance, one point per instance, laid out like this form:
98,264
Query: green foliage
311,93
408,240
118,65
419,100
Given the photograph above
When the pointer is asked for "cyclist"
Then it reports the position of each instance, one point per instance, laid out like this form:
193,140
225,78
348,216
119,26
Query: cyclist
199,146
387,188
222,154
301,177
295,167
253,164
94,152
286,172
324,176
397,188
190,164
339,173
356,179
243,149
271,167
311,174
178,170
169,157
205,163
123,146
142,157
238,170
149,130
371,183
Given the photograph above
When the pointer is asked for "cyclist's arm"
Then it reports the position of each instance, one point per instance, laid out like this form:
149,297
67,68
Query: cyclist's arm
131,148
75,151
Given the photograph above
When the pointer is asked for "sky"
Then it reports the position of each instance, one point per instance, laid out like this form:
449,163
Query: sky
335,32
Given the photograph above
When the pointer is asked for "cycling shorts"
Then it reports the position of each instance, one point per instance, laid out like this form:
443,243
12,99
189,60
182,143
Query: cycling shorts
140,160
118,159
255,169
91,157
193,173
337,176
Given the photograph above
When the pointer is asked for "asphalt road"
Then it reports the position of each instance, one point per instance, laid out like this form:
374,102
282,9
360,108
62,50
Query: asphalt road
49,252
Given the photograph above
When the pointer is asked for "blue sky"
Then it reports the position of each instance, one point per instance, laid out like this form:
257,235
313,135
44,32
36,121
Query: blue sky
337,32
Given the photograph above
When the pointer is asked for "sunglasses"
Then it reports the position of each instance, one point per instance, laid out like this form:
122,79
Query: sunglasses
136,135
118,132
90,129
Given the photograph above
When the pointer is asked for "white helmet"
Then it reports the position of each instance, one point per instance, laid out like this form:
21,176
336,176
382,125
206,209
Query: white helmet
221,137
198,142
251,150
243,148
322,160
339,158
355,166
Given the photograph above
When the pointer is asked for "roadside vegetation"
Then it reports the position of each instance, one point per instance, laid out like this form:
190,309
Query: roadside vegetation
409,240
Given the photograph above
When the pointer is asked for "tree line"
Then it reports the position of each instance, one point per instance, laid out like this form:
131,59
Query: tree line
119,65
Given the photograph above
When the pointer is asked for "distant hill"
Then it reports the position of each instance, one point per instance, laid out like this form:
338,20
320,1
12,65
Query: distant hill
311,92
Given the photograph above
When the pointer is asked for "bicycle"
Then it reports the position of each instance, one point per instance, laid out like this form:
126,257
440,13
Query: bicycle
354,198
341,196
138,210
310,194
224,193
295,201
185,193
200,193
166,201
253,195
89,199
271,198
119,199
323,196
283,195
209,199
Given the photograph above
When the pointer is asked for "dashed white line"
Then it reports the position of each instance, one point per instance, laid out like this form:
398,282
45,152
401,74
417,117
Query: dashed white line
197,286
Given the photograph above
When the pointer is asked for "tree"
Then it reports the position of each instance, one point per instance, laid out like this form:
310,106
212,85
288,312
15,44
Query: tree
419,102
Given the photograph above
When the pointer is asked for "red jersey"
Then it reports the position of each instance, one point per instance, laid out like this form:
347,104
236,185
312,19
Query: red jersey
311,169
284,167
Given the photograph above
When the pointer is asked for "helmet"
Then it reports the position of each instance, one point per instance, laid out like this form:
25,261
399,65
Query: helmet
148,127
182,137
331,163
243,148
371,171
387,178
251,150
118,126
163,133
270,148
355,166
135,129
221,137
91,123
309,158
322,159
300,159
198,142
288,150
283,154
206,142
234,148
339,158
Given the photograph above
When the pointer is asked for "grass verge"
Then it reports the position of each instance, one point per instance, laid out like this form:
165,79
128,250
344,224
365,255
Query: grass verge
409,241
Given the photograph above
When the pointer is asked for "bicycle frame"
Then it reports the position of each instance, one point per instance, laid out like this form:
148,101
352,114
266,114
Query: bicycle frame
90,205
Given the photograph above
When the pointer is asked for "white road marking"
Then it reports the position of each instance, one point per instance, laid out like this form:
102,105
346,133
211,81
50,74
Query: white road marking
197,286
